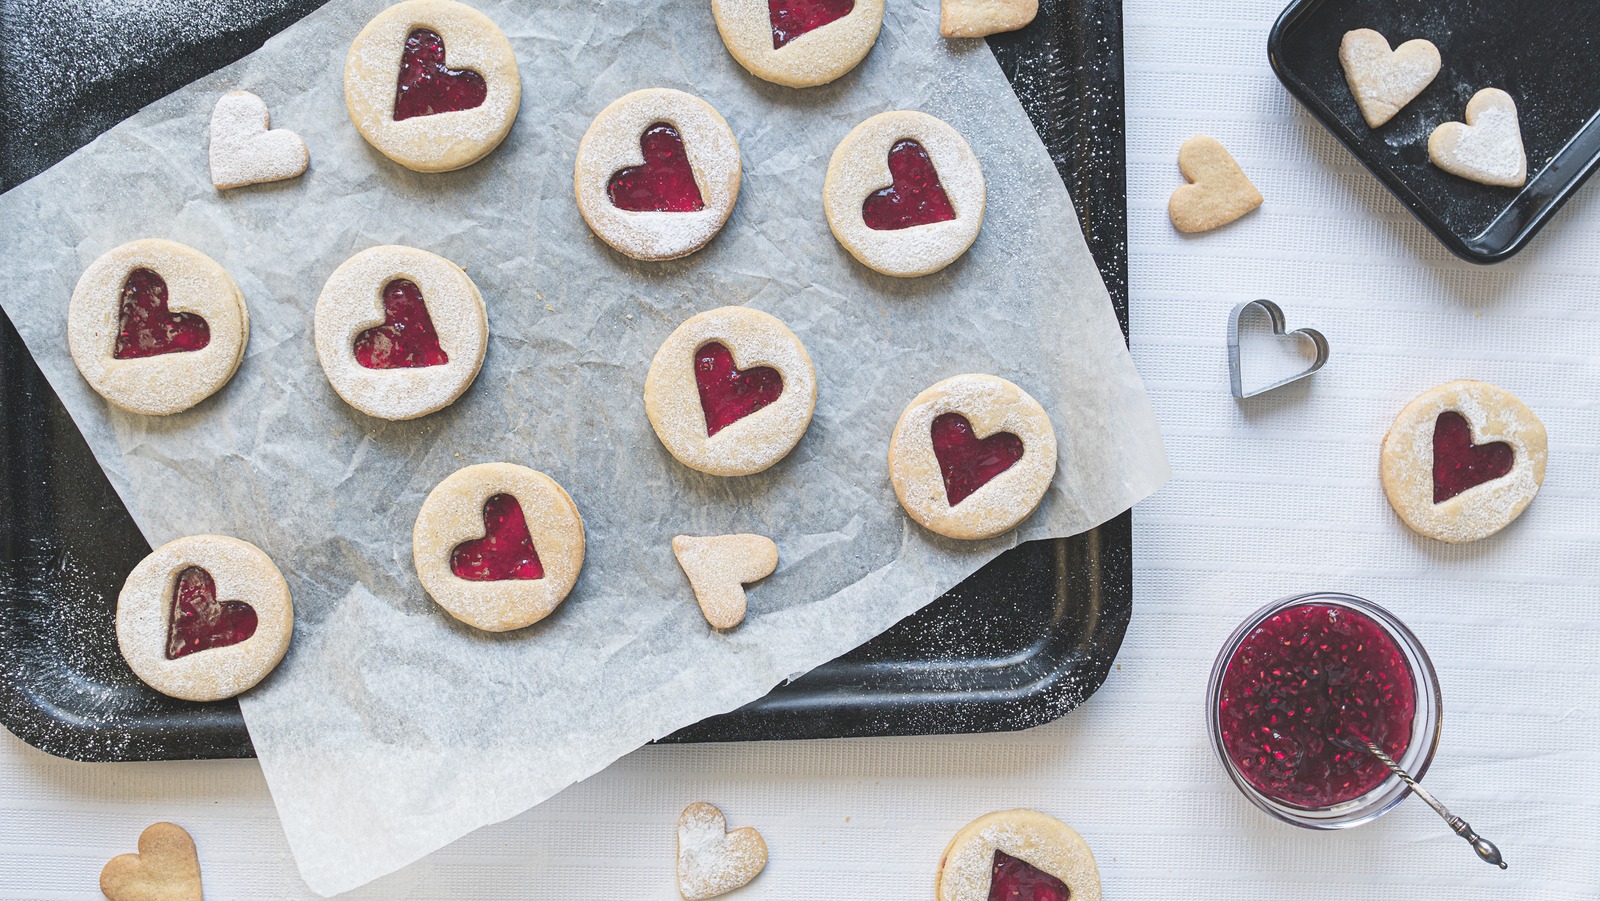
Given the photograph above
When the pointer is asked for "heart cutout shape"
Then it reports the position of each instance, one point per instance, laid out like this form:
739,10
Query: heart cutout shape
711,860
1383,81
1487,148
1458,464
167,868
729,394
146,328
1218,191
407,338
966,461
504,552
427,86
199,622
718,568
665,183
1014,879
245,150
793,18
914,196
1279,330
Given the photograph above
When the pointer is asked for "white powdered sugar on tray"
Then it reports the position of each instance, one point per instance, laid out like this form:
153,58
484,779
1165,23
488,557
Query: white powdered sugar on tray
390,729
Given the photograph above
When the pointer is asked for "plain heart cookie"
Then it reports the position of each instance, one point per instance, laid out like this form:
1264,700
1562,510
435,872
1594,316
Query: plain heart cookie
246,150
204,618
1383,81
711,860
167,868
1218,191
718,568
1017,854
1487,148
980,18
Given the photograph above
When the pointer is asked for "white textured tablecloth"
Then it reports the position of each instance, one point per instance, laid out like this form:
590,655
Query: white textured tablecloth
1274,496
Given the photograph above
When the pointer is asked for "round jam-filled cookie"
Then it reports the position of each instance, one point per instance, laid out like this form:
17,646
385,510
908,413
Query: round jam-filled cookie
400,332
798,43
657,174
731,391
156,326
972,456
904,194
1463,460
432,84
204,618
1017,854
498,545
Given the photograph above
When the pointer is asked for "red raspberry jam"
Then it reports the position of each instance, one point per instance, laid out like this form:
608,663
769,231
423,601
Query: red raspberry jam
1018,880
664,184
504,552
728,395
145,328
966,463
792,18
406,340
1458,464
427,86
199,621
1302,693
914,198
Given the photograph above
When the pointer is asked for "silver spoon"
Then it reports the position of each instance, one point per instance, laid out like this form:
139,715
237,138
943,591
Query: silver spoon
1484,848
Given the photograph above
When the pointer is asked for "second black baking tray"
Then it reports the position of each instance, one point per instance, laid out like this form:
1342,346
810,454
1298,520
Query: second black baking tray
1020,643
1545,53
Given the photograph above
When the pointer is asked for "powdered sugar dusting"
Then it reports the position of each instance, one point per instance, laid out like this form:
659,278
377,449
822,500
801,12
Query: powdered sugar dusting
1036,838
814,58
1488,148
244,151
711,860
1382,80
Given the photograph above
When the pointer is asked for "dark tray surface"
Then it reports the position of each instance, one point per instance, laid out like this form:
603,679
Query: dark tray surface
1546,54
1018,644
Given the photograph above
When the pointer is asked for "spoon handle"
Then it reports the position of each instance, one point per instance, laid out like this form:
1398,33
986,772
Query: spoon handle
1482,846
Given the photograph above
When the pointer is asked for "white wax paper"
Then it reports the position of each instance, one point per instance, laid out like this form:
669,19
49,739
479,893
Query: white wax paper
390,729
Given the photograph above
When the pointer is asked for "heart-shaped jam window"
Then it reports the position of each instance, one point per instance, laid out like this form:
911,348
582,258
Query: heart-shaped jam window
406,340
729,394
665,183
427,86
146,328
1458,464
792,18
966,462
914,197
1014,879
504,552
199,621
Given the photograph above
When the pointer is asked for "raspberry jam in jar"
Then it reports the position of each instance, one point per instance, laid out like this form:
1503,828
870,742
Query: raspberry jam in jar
1297,692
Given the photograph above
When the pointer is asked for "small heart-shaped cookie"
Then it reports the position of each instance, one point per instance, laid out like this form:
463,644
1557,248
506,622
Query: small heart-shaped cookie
165,869
244,151
1219,191
980,18
1383,80
718,568
711,860
1488,147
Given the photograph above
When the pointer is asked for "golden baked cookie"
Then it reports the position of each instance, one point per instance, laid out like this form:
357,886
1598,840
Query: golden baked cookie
204,618
498,546
798,44
156,327
1218,191
972,456
1383,81
400,332
719,567
1487,148
1020,847
711,860
1463,460
731,391
432,84
167,868
981,18
904,194
657,174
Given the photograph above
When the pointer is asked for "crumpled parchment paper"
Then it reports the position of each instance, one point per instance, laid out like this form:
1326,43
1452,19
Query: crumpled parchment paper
390,729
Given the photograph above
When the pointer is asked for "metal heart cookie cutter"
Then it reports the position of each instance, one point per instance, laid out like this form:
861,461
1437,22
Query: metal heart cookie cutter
1275,313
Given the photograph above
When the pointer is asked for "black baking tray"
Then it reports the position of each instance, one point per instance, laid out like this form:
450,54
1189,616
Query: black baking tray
1021,642
1545,53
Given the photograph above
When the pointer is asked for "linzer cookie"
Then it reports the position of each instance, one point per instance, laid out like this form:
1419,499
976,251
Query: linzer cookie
1018,854
1487,148
798,43
432,84
1383,81
1218,191
1462,461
